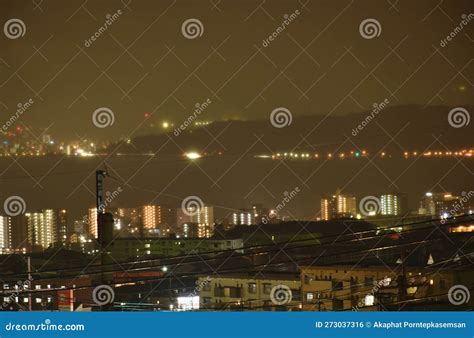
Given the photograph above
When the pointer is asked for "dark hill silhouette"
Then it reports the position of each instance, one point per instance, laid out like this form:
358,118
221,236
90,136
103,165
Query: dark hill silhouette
418,127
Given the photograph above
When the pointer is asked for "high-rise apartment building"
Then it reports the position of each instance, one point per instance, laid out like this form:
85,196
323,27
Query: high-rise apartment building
5,234
338,206
47,227
391,204
441,205
203,218
242,217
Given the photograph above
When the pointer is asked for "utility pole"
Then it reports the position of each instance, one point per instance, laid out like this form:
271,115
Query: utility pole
402,282
29,283
105,224
99,191
100,207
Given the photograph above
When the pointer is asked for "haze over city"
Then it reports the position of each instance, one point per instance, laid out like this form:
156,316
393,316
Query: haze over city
236,155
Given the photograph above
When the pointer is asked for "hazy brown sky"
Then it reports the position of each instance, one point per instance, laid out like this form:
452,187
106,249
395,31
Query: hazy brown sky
143,63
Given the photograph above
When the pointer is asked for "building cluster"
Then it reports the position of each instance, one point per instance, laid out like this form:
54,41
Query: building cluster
312,288
20,142
328,288
37,231
33,231
436,205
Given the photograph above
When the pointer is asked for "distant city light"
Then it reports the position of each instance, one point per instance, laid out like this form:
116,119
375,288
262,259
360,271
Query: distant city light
192,155
165,125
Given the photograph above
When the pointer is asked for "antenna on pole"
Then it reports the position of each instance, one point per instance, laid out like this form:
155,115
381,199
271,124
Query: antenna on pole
99,188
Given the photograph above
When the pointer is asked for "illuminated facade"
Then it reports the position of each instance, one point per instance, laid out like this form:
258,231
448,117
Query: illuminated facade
5,234
241,291
92,220
158,219
151,216
47,227
390,204
259,213
197,230
196,223
328,209
338,206
441,205
242,218
338,288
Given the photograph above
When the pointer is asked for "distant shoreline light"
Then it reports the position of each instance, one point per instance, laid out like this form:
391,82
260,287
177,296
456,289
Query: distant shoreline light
192,155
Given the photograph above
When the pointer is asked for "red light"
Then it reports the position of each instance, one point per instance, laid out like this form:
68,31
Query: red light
146,115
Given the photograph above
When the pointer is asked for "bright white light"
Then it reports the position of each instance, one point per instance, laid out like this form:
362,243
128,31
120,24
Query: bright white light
369,300
193,155
188,303
164,269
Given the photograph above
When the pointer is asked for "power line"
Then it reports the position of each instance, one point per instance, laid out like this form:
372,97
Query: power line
223,271
275,247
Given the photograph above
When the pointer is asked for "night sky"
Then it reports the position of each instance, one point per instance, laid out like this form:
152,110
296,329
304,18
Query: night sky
143,63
